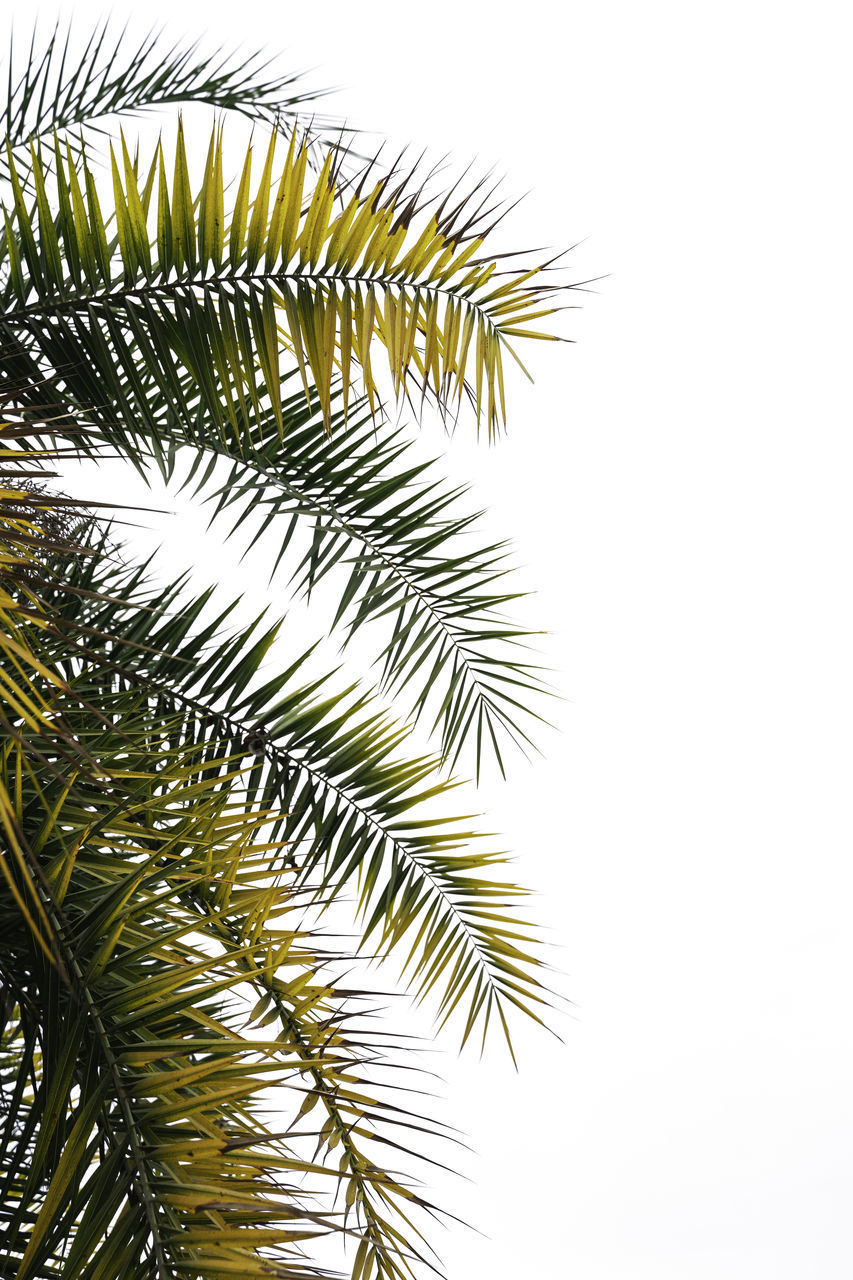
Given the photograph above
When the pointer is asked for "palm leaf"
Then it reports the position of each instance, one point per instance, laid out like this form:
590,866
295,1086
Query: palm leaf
397,538
322,275
56,85
354,810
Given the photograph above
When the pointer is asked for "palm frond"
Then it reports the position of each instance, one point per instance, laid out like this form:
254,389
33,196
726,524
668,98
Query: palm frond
404,553
56,84
178,287
356,814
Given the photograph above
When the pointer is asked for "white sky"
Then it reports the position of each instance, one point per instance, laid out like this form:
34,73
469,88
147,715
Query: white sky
678,485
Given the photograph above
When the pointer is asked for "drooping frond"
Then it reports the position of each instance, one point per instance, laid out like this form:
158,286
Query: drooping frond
398,546
56,84
357,815
398,540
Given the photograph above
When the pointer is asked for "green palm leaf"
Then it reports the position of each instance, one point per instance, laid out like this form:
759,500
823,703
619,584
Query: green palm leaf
397,538
353,808
56,85
303,263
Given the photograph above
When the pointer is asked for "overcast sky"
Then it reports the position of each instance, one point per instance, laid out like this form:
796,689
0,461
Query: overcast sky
677,484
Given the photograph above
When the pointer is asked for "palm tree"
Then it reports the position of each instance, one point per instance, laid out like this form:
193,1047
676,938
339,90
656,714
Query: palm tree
174,816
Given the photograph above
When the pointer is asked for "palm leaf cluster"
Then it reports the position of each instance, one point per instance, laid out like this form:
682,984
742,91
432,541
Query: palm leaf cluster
134,1143
189,1087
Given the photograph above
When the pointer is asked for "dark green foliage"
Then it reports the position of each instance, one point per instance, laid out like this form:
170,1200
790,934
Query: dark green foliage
181,798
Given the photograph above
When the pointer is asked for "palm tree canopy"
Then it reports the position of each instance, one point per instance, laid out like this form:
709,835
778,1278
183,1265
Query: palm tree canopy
174,814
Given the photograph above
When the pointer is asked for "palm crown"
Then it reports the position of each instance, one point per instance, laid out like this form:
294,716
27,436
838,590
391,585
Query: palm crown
170,809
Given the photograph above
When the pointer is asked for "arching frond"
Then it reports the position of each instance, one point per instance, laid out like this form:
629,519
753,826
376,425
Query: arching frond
293,270
397,538
56,83
357,815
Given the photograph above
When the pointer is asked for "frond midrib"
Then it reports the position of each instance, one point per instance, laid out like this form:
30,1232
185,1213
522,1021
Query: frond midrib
166,288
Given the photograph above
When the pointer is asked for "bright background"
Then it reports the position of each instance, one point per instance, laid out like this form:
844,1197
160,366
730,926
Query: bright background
678,486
